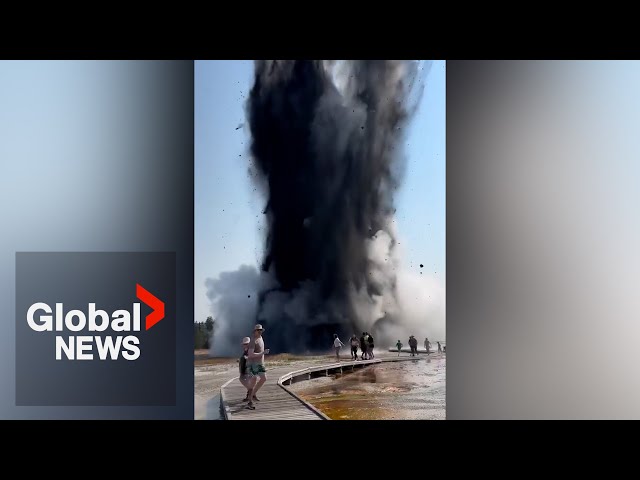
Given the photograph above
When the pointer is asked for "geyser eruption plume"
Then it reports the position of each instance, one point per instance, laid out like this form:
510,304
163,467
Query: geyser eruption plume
325,145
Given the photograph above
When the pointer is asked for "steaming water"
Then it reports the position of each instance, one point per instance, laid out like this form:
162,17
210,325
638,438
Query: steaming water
401,390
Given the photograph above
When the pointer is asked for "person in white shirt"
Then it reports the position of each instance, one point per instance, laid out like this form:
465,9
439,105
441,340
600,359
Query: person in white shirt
337,344
257,370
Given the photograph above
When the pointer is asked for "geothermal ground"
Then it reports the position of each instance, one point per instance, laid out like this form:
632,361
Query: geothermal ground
387,391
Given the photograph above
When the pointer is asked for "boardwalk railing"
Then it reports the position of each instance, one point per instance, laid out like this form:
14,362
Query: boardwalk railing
323,371
301,400
432,351
319,371
224,404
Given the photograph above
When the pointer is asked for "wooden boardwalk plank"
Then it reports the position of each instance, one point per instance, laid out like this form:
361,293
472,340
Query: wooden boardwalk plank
275,402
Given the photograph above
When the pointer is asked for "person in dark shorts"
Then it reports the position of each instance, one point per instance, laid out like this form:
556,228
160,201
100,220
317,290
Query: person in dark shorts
439,347
354,346
245,377
399,345
363,346
370,346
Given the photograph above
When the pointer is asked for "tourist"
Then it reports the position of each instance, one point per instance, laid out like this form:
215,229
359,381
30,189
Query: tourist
354,347
439,348
256,364
363,346
399,345
413,344
337,344
245,376
427,344
444,349
370,346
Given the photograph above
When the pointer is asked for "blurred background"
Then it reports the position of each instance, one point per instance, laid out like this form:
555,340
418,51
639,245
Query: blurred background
542,239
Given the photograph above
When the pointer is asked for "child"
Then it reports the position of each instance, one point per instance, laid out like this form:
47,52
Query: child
399,345
245,375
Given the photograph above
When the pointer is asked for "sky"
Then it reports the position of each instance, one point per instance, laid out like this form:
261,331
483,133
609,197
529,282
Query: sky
228,232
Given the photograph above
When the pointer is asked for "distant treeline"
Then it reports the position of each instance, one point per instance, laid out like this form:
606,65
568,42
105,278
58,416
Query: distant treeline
203,333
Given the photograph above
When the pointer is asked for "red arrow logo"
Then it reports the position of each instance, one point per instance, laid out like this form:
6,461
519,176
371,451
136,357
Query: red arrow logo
155,303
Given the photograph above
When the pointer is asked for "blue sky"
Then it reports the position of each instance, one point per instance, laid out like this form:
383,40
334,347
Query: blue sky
227,208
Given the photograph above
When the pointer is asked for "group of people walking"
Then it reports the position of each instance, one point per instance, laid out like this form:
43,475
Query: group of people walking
413,345
253,373
365,343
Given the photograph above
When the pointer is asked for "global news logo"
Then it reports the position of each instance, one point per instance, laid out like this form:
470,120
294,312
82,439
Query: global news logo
124,324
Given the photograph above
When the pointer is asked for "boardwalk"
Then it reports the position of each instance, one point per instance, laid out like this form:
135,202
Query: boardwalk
278,403
422,351
275,403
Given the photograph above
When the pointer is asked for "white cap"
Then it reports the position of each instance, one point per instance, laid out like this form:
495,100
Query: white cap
258,327
246,341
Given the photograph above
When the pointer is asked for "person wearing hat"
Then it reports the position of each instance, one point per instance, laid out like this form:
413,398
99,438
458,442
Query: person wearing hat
413,343
245,376
256,364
